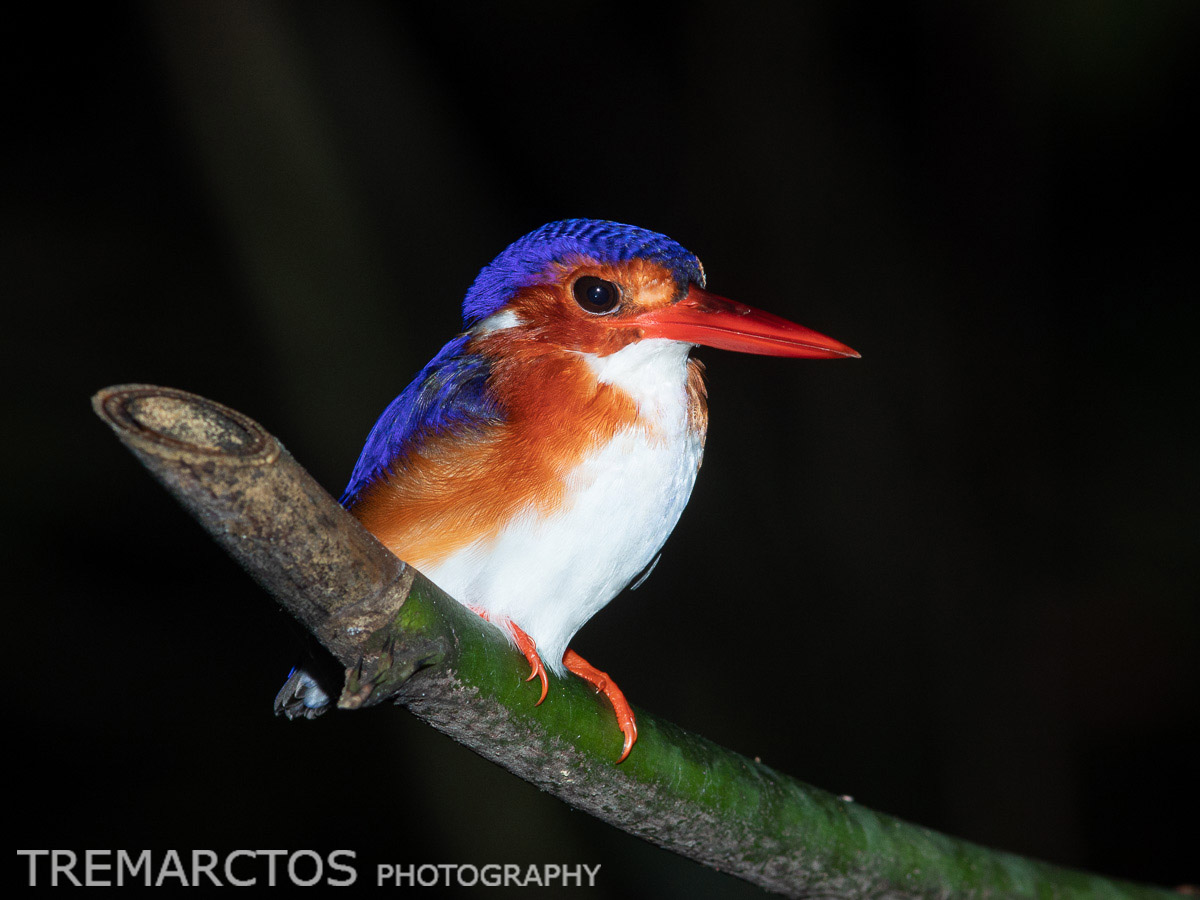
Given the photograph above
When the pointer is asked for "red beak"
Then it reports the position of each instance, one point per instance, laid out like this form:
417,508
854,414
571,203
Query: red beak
704,318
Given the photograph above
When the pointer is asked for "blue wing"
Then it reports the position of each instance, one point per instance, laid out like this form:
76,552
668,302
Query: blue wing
450,392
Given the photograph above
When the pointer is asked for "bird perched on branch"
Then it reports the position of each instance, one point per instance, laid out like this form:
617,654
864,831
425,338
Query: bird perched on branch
538,462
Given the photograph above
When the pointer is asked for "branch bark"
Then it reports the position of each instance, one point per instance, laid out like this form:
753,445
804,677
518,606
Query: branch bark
401,639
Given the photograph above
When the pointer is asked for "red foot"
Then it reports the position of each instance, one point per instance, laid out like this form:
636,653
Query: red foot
604,685
526,645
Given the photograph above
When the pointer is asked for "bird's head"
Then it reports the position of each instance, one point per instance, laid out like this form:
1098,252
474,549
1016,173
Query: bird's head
595,287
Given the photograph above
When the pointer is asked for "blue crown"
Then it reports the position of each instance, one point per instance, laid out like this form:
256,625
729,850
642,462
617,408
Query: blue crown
526,260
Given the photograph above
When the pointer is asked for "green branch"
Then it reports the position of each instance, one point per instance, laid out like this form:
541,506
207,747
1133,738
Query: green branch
401,639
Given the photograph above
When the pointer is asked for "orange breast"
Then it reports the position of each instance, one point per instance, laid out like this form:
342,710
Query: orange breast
454,490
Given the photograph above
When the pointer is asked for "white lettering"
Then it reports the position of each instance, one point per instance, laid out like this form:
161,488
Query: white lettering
308,854
57,866
126,864
91,865
233,879
272,855
304,868
474,876
206,867
351,872
172,867
33,855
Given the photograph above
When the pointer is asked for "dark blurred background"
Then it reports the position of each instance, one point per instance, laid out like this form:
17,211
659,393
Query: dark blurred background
956,579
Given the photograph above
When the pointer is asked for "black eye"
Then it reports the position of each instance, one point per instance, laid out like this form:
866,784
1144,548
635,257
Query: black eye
596,295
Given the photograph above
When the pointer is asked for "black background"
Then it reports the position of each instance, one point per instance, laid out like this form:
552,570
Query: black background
956,578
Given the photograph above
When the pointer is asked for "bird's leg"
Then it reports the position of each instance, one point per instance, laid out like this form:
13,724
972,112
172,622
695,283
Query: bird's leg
526,645
605,685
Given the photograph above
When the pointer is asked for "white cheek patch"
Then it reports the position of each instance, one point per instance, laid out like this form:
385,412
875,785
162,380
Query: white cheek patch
497,321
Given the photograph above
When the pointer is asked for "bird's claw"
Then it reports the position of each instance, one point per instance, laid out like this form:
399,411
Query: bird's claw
575,663
527,647
536,669
603,684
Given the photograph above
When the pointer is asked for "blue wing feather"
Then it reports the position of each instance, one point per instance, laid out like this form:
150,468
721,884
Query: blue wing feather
451,392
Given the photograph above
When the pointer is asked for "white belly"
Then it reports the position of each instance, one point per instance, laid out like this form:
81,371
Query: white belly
550,574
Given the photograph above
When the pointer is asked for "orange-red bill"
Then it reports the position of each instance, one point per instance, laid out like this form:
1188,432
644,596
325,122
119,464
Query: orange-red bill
704,318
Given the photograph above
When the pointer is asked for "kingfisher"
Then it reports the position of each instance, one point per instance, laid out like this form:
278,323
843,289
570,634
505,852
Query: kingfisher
535,466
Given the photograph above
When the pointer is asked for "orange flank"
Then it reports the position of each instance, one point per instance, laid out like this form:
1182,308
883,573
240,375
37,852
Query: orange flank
453,490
